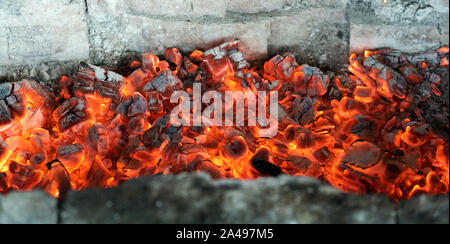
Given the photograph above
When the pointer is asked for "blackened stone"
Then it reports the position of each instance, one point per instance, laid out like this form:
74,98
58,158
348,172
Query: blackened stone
425,210
192,198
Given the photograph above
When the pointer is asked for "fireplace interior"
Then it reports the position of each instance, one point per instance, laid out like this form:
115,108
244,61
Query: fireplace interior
88,135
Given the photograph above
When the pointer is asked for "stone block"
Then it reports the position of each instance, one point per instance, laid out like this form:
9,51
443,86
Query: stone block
4,58
197,199
255,6
57,32
398,12
141,34
425,210
415,38
34,207
162,8
321,42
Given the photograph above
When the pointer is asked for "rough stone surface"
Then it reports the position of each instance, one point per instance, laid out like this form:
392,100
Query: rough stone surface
197,199
34,207
406,39
109,41
255,6
318,32
425,209
321,42
191,198
57,32
399,12
193,8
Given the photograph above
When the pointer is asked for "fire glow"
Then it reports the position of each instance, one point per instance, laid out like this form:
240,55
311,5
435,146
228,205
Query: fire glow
372,129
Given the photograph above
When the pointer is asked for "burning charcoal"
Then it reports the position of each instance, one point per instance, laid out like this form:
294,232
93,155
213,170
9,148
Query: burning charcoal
310,81
132,142
228,50
302,164
217,69
352,181
39,96
182,73
174,133
137,80
109,89
392,170
138,106
71,155
393,59
238,59
289,133
91,78
174,57
261,162
142,154
202,165
190,67
98,175
150,64
15,103
210,168
349,107
415,134
41,140
236,148
10,102
365,127
196,56
345,83
302,110
364,94
124,107
70,113
412,75
38,158
429,57
165,83
305,139
263,153
362,154
389,82
98,139
152,137
58,184
270,66
3,183
265,168
286,68
323,155
6,115
155,104
280,149
136,125
24,177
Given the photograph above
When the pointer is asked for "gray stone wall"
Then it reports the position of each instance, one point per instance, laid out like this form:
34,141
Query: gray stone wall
197,199
321,33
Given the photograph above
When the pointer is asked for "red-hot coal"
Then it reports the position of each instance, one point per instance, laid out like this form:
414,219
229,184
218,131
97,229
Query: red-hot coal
379,127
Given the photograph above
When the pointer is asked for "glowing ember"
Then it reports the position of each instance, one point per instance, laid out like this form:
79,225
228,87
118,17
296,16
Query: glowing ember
375,129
